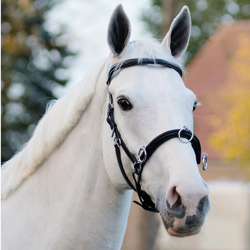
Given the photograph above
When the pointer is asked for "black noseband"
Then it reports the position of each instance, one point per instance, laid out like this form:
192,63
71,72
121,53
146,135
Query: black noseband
145,152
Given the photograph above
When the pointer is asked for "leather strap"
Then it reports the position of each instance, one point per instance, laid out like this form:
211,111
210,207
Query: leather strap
119,160
139,62
166,136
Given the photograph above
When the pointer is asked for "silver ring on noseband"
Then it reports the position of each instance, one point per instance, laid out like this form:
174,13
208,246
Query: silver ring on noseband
204,160
185,129
140,153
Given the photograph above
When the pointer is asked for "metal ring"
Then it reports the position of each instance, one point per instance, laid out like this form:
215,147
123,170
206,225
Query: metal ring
204,160
185,129
141,151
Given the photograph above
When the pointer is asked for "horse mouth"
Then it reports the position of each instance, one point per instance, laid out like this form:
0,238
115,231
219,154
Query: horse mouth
188,232
182,227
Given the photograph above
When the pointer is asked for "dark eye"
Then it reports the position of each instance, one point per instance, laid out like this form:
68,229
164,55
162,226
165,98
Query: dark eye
195,104
124,104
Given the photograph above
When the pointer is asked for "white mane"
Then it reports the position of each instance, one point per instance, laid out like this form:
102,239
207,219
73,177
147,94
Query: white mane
50,132
64,115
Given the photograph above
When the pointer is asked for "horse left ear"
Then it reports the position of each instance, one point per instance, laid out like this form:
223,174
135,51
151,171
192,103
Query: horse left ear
118,31
177,38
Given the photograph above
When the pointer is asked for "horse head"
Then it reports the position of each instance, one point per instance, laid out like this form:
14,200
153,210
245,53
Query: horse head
148,100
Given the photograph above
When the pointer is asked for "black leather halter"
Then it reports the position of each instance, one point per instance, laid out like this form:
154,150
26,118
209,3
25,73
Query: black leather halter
145,152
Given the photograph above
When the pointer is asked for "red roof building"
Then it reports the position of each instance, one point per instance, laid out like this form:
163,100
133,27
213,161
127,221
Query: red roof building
207,75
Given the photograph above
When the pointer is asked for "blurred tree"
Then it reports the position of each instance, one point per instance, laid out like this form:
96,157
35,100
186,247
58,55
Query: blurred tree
206,15
34,61
233,139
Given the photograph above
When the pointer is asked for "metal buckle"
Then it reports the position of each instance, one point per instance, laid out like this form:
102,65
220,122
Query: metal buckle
204,160
110,105
117,142
185,129
136,170
142,150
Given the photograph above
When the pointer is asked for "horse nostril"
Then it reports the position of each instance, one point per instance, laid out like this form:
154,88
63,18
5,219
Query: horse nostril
173,196
178,209
178,203
203,205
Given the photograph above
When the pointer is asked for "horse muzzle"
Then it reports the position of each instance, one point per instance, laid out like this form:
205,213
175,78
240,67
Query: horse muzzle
179,223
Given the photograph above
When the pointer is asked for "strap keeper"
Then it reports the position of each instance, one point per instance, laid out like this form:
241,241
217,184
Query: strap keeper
117,142
137,170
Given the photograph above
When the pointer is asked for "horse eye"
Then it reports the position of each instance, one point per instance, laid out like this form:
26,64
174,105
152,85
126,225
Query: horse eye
195,104
124,104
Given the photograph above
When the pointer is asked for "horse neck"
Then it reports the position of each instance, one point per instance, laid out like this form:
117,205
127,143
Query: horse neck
103,209
72,189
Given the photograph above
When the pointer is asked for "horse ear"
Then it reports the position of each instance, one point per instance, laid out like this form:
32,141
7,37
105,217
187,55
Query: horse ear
118,31
177,38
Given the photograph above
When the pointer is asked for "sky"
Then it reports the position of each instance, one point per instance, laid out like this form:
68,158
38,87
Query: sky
86,23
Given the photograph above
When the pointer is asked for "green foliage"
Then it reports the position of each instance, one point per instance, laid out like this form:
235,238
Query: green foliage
207,16
34,63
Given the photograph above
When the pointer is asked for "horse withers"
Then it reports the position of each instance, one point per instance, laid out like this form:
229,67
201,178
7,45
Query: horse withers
70,188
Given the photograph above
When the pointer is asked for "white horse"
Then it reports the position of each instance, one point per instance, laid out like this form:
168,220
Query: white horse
64,189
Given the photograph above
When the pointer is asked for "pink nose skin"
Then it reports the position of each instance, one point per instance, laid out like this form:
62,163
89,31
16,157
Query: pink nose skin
187,199
186,207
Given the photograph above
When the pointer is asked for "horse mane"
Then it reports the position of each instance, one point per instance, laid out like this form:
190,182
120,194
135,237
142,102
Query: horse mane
64,115
51,131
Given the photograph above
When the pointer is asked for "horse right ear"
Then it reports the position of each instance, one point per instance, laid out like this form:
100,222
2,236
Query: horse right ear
177,38
118,31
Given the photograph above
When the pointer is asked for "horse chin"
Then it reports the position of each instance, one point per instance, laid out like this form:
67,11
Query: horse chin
180,230
189,232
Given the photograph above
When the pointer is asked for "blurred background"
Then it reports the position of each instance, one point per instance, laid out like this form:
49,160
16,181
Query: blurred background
48,46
